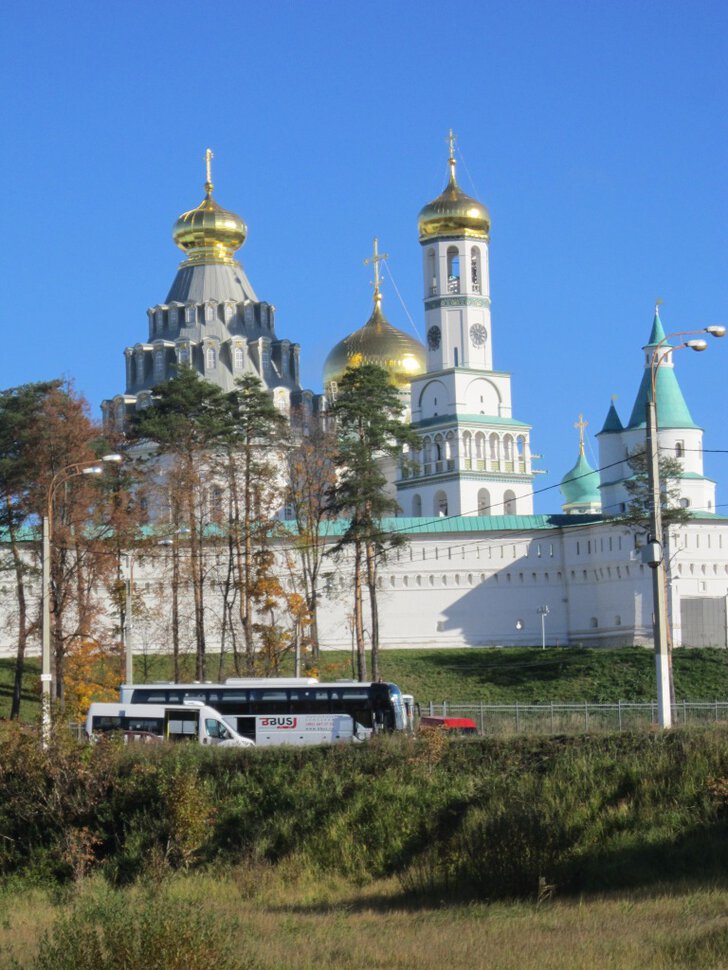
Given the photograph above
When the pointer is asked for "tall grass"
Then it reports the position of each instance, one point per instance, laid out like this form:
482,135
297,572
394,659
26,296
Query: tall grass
474,819
263,918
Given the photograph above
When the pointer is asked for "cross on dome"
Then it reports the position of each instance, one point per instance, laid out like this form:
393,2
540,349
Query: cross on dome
376,259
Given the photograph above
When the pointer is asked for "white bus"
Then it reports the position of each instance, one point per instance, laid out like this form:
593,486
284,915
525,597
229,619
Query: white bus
190,721
372,707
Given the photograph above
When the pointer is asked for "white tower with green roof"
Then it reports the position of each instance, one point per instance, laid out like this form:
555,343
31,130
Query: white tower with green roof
475,457
678,435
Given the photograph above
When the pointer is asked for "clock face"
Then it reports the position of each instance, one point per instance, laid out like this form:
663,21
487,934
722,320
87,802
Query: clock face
477,335
433,338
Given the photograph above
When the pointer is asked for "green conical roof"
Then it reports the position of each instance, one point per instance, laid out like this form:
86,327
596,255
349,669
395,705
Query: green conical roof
581,484
612,422
657,334
672,411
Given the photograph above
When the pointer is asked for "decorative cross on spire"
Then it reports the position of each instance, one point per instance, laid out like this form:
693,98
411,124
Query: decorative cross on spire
451,143
581,424
208,168
451,159
376,260
658,304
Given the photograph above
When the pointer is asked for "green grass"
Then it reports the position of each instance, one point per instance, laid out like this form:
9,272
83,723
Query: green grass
253,917
491,675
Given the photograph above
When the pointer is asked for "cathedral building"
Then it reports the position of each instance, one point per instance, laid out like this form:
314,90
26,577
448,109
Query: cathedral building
480,568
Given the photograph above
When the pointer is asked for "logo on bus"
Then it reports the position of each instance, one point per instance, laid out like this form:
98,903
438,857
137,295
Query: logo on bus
279,722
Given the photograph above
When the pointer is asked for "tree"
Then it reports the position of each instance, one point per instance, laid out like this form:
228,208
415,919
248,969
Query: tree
637,513
639,507
20,410
369,427
188,420
64,437
254,443
311,476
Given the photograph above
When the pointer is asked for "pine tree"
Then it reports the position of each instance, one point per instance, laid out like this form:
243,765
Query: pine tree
189,419
369,427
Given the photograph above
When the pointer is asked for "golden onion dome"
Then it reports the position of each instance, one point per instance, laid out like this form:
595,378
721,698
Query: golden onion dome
377,342
453,213
209,233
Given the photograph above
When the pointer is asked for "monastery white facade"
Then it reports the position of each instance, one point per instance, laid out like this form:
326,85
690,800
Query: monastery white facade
480,568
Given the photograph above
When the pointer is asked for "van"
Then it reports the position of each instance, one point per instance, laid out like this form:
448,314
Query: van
190,721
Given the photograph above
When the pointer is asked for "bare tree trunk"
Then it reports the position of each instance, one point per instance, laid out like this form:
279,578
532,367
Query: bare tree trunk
361,657
22,627
374,606
196,570
175,610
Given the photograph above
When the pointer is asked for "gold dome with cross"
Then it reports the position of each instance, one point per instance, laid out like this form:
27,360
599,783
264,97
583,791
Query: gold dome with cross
377,342
453,213
209,233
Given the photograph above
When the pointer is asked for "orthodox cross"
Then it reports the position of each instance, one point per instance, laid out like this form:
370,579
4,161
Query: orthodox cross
208,167
581,424
376,259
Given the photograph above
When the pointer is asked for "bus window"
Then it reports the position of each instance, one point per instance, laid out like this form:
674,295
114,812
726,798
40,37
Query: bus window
270,702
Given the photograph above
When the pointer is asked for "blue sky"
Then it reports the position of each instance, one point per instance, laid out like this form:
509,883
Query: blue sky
596,134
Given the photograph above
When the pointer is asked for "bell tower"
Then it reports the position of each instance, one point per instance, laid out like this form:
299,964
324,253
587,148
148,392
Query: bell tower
454,232
474,456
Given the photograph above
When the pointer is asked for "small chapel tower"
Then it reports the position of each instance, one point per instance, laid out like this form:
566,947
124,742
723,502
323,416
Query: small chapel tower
475,457
678,435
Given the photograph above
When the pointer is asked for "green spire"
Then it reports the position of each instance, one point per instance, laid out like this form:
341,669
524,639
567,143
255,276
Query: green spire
672,411
657,334
612,422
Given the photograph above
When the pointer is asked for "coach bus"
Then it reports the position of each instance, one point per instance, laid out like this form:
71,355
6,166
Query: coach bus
373,707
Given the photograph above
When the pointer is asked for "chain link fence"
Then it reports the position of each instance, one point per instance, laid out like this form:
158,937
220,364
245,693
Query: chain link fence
576,718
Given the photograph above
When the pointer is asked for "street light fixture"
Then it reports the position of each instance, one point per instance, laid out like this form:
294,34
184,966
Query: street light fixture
654,550
543,611
92,467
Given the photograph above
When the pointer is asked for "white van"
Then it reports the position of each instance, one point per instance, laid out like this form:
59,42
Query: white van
191,721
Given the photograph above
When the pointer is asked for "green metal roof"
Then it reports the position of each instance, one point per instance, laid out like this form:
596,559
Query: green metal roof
612,422
672,411
462,419
581,484
657,334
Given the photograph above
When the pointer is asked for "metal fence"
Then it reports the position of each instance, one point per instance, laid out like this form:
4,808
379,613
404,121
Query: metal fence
510,719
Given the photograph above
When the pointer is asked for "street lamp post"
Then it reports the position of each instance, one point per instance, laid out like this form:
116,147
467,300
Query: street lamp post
654,551
62,476
543,611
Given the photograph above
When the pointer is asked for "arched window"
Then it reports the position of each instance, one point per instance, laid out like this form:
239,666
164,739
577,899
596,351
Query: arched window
438,447
440,504
483,502
450,449
210,358
467,445
159,365
453,270
494,448
475,269
509,502
431,276
238,358
416,505
679,449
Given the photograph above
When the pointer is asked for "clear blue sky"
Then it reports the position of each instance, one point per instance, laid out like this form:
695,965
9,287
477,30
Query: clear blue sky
595,132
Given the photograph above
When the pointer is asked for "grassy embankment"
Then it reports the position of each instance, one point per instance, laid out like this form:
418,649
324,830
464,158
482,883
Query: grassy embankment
390,856
345,857
529,675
